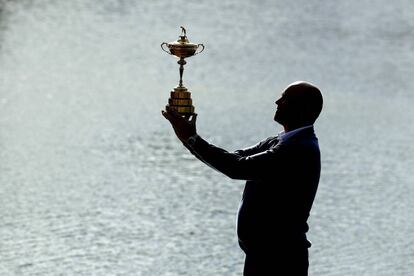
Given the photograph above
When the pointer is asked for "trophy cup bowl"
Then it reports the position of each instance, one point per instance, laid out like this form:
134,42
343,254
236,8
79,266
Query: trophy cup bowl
180,99
182,48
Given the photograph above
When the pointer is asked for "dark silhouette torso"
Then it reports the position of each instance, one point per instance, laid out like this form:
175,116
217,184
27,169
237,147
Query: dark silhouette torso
282,179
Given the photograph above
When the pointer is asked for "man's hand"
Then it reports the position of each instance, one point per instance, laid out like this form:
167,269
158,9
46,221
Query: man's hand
184,128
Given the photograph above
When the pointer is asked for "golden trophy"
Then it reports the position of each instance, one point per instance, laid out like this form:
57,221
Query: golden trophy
180,99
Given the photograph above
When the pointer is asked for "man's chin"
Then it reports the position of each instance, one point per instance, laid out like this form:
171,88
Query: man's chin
277,119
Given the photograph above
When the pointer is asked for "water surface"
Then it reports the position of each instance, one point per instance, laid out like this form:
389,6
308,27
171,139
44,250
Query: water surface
92,180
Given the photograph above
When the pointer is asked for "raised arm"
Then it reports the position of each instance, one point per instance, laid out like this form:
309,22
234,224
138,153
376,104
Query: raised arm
249,164
257,166
259,147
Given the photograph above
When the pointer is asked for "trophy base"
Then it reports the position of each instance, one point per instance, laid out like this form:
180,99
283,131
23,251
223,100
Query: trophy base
181,101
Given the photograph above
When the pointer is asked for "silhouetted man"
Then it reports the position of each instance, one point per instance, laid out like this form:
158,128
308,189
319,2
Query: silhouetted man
282,174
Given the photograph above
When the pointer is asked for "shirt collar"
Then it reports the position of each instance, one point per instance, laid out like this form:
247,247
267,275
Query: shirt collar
284,136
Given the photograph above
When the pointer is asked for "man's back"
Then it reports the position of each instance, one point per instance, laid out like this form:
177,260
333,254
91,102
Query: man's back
274,210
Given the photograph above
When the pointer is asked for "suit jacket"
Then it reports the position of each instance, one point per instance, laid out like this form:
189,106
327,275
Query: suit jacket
282,179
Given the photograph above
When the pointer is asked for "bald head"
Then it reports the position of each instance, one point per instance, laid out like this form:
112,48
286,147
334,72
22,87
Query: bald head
300,105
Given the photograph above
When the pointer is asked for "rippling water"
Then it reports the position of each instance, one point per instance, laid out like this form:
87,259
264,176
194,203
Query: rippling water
93,182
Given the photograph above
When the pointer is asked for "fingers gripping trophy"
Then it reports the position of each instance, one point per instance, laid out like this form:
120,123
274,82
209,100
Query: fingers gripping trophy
180,99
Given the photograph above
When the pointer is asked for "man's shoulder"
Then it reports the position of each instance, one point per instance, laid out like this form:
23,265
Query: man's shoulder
300,144
304,137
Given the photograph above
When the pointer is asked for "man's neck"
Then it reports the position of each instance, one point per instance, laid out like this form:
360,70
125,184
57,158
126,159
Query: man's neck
292,127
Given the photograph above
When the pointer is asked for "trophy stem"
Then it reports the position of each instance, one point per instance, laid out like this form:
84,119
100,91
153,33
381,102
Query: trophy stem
182,62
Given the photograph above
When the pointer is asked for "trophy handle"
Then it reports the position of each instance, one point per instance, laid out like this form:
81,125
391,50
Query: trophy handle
201,49
162,44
